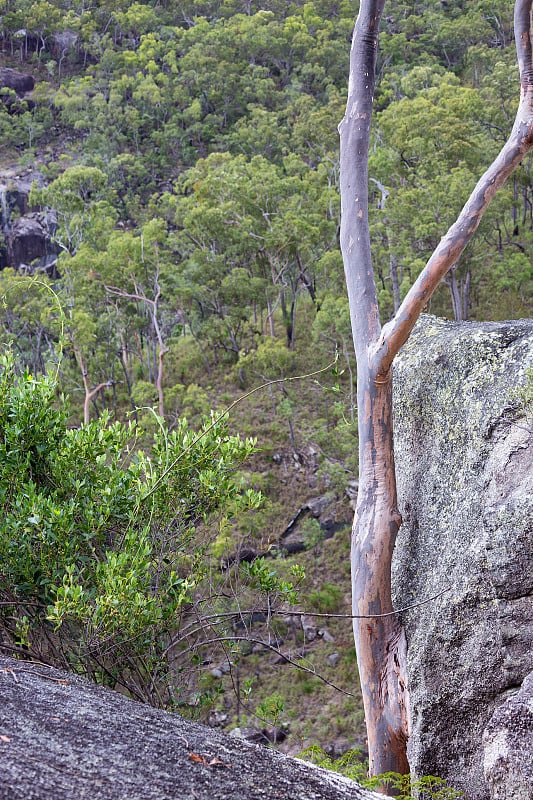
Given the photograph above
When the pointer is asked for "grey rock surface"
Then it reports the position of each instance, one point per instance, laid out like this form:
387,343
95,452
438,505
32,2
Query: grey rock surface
27,240
25,236
464,461
508,744
18,81
62,738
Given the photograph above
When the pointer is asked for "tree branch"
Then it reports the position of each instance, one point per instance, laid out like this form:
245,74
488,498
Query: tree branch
354,133
396,332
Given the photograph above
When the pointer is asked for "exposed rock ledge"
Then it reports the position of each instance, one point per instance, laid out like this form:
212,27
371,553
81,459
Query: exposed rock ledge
64,738
464,459
508,742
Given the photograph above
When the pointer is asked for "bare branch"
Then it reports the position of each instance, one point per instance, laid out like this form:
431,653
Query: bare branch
274,649
397,331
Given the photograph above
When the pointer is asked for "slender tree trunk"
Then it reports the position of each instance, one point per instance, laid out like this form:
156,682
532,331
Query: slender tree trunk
466,295
455,293
270,319
393,262
90,394
159,349
380,642
287,319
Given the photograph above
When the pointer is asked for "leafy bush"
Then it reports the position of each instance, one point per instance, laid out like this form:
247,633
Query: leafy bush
311,533
354,766
326,600
271,708
102,547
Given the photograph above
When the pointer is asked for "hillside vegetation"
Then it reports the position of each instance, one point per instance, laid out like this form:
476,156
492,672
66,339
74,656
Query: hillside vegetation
184,166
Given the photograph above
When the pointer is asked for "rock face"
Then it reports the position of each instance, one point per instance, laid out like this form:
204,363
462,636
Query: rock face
18,81
66,739
465,472
27,240
508,741
14,87
24,235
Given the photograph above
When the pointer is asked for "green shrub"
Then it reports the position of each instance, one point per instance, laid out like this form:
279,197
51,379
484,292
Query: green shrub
101,545
271,708
326,600
354,766
311,532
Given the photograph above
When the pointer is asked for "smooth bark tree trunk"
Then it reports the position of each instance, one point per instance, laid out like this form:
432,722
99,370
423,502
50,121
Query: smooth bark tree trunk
159,348
90,394
395,281
460,294
379,640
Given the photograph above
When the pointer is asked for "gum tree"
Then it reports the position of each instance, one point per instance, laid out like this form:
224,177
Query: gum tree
380,640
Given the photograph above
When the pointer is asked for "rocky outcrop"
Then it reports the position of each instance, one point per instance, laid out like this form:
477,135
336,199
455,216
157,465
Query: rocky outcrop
24,235
66,739
464,459
14,88
322,509
508,743
19,82
27,240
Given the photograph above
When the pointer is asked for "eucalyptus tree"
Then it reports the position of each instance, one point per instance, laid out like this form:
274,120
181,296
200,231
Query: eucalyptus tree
250,236
140,279
433,145
80,219
379,638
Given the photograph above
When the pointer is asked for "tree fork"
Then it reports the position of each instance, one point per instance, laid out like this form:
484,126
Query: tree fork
380,643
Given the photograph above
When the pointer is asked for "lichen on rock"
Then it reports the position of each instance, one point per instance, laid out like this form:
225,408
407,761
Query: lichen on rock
464,461
508,747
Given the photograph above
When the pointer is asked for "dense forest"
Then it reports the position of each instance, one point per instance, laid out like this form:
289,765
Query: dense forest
173,167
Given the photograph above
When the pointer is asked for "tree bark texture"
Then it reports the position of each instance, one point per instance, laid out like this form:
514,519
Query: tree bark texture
380,642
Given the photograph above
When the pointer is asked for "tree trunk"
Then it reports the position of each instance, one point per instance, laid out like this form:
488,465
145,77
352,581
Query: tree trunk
158,350
270,318
380,642
395,281
455,293
89,393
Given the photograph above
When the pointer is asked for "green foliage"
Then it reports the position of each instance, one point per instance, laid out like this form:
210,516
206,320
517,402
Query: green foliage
77,199
268,581
311,533
100,543
217,122
271,708
326,600
190,154
404,787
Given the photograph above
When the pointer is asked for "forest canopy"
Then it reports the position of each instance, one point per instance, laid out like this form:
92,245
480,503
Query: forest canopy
189,163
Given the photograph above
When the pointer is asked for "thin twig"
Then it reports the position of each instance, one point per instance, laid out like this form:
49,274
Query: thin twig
225,413
367,616
278,652
38,674
211,618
